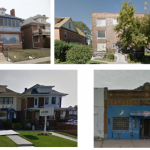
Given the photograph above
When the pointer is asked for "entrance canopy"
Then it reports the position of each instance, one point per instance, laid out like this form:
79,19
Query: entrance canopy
139,113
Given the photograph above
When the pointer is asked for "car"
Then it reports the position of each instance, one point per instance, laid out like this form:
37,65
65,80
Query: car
70,120
75,121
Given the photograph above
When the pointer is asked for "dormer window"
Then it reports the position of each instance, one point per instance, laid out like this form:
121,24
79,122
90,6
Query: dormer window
53,100
69,25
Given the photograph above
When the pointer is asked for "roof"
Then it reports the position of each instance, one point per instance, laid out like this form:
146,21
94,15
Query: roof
35,92
9,92
32,20
63,21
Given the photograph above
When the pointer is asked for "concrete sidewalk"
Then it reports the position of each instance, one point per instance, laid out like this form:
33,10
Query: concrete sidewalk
120,58
114,143
64,136
33,61
8,132
20,141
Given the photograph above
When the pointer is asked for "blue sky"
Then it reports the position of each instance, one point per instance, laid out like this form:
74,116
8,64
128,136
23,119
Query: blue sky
80,10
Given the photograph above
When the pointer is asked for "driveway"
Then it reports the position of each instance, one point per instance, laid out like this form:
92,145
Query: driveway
112,143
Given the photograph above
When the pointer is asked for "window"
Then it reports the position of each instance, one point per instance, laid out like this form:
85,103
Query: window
101,34
10,101
69,25
115,21
17,23
1,21
22,33
113,46
35,101
65,34
9,22
101,22
120,123
3,115
13,23
46,100
101,46
5,100
5,21
53,100
1,100
135,126
10,38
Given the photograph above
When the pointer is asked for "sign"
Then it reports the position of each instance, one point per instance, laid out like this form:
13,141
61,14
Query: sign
140,113
47,111
9,29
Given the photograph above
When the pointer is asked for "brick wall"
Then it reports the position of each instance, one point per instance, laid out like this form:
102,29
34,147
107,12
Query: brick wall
34,27
111,36
41,101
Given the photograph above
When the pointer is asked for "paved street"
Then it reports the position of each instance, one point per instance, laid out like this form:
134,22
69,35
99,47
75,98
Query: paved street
108,143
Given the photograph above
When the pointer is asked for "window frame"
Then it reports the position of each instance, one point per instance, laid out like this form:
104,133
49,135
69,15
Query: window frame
52,101
65,32
45,100
101,50
100,25
101,37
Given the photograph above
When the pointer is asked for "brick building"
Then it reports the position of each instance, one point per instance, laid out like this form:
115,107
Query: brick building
66,31
103,35
34,31
10,31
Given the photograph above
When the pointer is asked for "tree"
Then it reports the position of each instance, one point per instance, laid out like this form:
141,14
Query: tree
130,28
76,107
84,28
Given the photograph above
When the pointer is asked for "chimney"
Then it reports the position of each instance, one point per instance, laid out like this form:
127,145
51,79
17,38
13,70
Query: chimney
25,89
12,12
44,15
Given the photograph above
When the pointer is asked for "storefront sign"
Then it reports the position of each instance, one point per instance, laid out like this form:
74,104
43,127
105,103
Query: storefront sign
9,29
47,111
140,113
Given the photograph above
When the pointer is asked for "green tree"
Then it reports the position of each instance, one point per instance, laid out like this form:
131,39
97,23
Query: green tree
76,107
130,28
84,28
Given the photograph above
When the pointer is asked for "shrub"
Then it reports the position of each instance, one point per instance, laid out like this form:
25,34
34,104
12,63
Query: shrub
47,42
79,54
17,126
45,133
111,56
57,61
8,124
52,128
24,124
61,48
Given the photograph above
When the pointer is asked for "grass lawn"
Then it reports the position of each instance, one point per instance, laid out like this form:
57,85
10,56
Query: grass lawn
46,141
144,60
46,62
22,55
7,142
104,59
71,135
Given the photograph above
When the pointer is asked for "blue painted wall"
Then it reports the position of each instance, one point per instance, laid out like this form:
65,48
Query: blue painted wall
115,111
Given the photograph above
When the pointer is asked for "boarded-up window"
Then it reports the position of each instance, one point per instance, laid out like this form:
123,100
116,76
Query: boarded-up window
101,46
120,123
1,21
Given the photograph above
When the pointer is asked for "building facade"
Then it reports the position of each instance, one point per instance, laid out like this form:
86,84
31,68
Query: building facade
127,113
34,31
10,105
66,31
103,35
10,31
99,112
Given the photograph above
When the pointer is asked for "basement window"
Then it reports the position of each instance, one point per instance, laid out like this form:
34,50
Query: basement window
120,123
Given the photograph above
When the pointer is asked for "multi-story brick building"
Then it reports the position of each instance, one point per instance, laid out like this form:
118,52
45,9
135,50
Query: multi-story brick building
34,31
10,31
103,35
66,31
127,113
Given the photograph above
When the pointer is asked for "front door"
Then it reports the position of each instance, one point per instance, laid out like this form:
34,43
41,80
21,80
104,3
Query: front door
146,127
11,116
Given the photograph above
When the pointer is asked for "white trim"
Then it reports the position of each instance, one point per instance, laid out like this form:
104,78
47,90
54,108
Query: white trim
35,106
48,101
100,25
101,38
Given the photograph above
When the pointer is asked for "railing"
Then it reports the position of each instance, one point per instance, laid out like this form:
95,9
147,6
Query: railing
43,30
5,52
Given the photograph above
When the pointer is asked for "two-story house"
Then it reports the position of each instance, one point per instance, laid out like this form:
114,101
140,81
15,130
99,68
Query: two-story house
10,105
10,31
34,31
103,35
40,96
65,30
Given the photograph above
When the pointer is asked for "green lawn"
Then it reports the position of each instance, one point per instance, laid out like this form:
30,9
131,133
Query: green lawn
104,59
71,135
7,142
46,141
22,55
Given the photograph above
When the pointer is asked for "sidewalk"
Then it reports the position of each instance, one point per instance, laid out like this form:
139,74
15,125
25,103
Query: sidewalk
64,136
33,61
20,141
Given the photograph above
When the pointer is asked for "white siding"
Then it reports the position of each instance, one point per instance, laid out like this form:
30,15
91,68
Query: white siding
66,25
99,112
56,105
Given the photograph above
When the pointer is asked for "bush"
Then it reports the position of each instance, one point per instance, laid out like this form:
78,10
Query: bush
61,48
15,120
8,124
47,42
17,126
45,133
79,54
52,128
111,56
24,124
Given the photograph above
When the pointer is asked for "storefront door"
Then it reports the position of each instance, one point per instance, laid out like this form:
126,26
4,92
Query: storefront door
146,127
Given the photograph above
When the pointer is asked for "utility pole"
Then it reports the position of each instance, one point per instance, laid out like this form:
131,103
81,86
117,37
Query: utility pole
146,8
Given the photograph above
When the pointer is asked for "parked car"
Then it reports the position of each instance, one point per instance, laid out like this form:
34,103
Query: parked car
70,120
75,121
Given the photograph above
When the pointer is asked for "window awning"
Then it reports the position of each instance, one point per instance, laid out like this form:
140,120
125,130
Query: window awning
139,113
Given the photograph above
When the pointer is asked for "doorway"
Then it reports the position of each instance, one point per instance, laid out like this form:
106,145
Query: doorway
145,129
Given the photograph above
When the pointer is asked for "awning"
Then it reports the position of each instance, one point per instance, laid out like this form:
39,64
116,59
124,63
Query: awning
139,113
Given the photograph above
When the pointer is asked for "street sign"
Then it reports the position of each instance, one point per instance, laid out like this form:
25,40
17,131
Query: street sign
47,111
